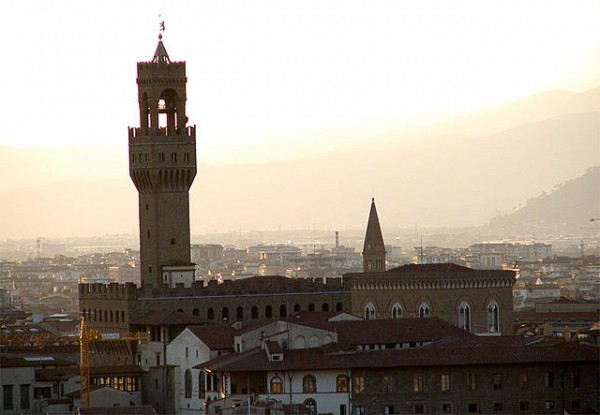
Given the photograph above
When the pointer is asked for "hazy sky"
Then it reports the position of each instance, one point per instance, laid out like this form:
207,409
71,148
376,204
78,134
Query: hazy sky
273,79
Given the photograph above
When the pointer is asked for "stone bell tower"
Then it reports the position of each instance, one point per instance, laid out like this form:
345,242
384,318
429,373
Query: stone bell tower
162,166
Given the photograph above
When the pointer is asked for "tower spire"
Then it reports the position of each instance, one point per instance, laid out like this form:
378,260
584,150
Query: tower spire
374,248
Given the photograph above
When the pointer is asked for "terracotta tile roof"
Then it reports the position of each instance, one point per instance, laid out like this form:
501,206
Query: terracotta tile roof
403,330
167,318
461,354
46,375
273,347
215,337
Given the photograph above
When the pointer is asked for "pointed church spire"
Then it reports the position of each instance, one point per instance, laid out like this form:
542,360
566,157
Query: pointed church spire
374,248
160,54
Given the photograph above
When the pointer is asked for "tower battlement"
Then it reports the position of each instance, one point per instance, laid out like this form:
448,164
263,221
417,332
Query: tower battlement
112,291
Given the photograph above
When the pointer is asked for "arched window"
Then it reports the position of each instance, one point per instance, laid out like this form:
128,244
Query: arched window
369,311
299,342
195,312
311,405
268,312
397,310
296,308
111,316
239,313
123,316
464,316
282,311
309,384
105,315
210,314
339,307
225,314
424,310
493,317
254,312
276,385
201,385
341,383
188,383
311,307
95,315
325,307
169,377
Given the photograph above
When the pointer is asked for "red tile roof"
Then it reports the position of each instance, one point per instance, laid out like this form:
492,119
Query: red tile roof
215,337
480,351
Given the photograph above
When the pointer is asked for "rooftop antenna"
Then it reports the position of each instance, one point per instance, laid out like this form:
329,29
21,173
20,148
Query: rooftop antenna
421,255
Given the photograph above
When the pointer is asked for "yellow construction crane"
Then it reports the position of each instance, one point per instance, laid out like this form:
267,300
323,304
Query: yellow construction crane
88,336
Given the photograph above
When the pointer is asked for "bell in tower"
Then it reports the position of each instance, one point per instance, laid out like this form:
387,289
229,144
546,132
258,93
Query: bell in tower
162,166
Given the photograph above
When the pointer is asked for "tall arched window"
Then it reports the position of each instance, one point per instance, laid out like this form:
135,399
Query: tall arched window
239,313
325,307
339,307
424,310
397,311
464,316
188,383
311,307
254,312
269,311
201,385
276,385
369,311
282,311
309,384
296,308
210,314
225,314
493,317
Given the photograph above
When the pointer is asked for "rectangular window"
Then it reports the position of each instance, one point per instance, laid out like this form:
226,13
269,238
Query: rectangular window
549,380
549,405
576,404
359,410
24,391
497,407
387,384
342,409
524,380
418,383
445,382
497,381
174,157
186,156
388,410
446,408
7,396
472,408
524,405
471,381
575,379
161,156
419,408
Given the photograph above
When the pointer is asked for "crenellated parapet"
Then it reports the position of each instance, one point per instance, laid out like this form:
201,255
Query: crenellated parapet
111,291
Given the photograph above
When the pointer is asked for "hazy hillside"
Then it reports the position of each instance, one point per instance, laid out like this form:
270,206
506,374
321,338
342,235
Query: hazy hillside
567,209
450,181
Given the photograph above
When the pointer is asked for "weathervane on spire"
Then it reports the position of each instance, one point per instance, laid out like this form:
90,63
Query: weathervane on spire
161,26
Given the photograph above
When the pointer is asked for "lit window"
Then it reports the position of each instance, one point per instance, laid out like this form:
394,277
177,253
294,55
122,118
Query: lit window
341,383
524,380
418,383
359,384
493,316
445,382
464,316
471,381
309,384
276,385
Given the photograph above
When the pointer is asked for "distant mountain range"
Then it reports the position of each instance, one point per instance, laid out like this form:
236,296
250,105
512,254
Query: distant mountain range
477,168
